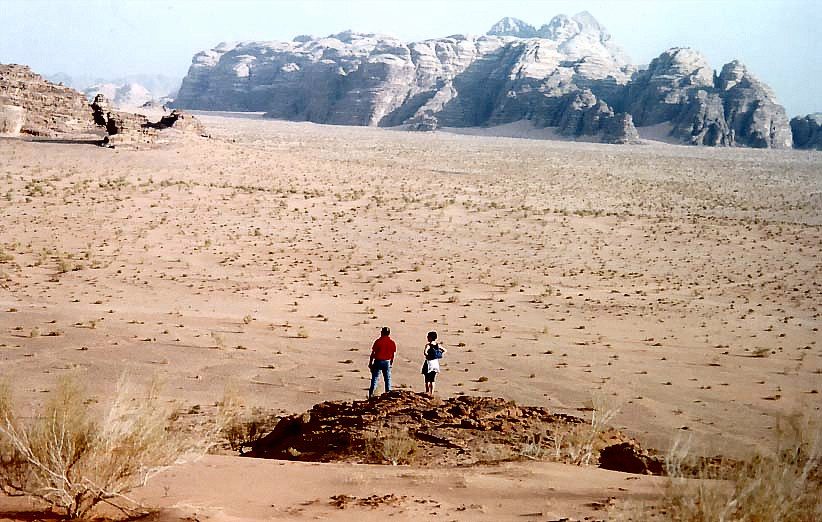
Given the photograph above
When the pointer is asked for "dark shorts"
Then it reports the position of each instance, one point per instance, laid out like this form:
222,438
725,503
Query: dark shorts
430,376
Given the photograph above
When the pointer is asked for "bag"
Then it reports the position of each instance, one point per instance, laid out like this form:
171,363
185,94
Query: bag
436,351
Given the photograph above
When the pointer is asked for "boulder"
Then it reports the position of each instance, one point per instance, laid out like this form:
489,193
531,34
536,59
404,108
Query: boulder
628,457
12,118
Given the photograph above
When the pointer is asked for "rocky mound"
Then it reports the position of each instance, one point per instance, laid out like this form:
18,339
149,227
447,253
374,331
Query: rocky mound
44,109
807,131
406,426
567,74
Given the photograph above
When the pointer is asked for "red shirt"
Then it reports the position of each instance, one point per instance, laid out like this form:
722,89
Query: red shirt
384,349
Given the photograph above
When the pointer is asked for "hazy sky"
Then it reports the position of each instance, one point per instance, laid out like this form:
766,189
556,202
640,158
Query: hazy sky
779,40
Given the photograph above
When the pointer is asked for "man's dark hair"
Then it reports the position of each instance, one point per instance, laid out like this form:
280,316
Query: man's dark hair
432,336
385,331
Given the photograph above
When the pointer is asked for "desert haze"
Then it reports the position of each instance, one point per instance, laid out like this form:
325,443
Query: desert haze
681,284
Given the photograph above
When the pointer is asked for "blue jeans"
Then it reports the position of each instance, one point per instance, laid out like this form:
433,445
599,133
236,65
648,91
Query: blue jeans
384,367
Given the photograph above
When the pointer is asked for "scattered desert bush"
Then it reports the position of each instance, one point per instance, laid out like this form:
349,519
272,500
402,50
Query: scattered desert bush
580,443
785,485
75,459
394,445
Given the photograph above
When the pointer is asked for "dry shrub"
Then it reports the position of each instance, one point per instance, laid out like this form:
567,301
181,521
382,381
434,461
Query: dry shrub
74,460
580,443
785,485
495,453
393,445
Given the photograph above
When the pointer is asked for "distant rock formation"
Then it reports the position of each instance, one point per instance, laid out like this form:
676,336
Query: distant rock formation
367,79
733,108
807,131
32,105
133,87
123,95
129,130
566,74
509,26
48,109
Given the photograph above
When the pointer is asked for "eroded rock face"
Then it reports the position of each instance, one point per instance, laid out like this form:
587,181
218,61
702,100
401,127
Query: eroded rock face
12,118
367,79
732,108
566,74
807,131
50,110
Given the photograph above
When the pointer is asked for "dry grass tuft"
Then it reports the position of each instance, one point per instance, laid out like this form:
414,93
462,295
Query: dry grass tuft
394,446
784,486
580,443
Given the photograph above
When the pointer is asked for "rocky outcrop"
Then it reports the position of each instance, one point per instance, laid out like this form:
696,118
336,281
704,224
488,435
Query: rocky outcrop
12,118
566,74
50,110
130,130
732,108
807,131
453,431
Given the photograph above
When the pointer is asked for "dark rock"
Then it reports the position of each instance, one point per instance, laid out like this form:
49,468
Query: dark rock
807,131
629,458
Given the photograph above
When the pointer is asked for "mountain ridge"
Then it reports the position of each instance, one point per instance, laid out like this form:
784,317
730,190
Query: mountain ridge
570,75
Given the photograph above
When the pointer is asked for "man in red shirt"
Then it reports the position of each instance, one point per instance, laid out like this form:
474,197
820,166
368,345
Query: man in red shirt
382,357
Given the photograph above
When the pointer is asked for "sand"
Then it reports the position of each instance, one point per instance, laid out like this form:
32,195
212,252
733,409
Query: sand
680,283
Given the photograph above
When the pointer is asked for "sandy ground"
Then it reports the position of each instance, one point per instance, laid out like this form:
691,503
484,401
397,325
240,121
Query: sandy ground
681,283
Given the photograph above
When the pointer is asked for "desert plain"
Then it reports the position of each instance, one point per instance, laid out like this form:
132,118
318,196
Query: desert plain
680,284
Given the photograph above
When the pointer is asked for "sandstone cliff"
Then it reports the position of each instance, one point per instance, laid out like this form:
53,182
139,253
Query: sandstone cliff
732,108
566,74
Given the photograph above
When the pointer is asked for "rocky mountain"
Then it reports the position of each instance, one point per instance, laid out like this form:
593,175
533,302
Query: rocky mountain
567,74
732,108
807,131
127,91
125,95
513,27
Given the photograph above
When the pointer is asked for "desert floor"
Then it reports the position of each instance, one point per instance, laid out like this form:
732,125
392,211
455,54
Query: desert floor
679,284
